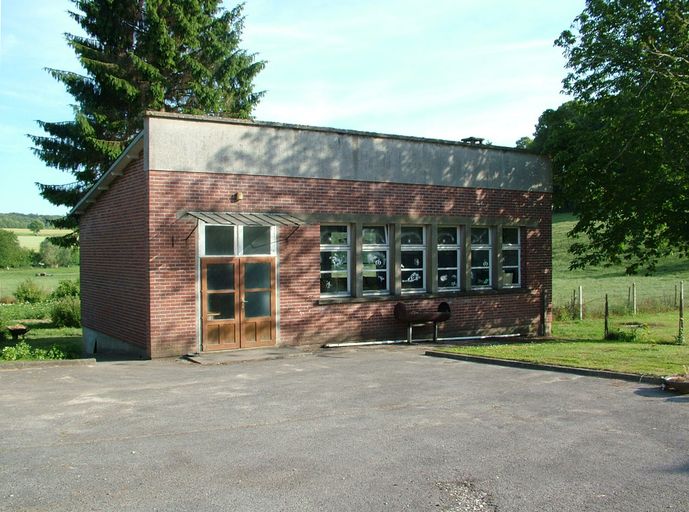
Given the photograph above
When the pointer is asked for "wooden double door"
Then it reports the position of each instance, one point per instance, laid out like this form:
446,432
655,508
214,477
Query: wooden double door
238,302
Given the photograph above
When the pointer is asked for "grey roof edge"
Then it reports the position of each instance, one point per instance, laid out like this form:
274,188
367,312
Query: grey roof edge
109,176
342,131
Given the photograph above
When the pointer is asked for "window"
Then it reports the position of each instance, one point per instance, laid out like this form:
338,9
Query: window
511,256
375,259
481,257
335,258
237,240
449,258
413,258
255,240
219,241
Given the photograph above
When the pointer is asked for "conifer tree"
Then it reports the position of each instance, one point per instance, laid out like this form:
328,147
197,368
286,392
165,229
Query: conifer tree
168,55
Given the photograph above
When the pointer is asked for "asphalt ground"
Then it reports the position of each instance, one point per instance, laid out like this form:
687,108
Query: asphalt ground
376,428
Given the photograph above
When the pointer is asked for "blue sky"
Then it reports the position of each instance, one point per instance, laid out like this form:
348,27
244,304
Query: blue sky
442,69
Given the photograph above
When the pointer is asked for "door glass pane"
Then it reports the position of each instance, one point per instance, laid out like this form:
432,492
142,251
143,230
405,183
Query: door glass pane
256,240
257,275
257,304
220,306
219,240
220,276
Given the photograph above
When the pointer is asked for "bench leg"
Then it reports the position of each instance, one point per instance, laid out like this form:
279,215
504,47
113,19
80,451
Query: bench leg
409,334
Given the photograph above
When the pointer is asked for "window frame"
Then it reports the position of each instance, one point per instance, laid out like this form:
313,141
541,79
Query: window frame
482,247
512,247
457,248
379,248
423,248
238,249
339,248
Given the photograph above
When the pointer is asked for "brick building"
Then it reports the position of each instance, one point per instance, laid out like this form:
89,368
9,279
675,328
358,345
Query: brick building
210,234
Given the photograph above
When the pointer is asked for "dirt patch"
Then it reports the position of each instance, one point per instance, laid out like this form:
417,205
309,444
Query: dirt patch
464,496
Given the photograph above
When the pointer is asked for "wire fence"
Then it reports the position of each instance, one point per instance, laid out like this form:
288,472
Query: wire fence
590,302
621,308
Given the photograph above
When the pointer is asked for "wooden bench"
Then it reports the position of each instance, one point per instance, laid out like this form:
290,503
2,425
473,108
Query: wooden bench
402,314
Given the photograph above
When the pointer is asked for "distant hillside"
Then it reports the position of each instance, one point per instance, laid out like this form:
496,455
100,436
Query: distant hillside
22,220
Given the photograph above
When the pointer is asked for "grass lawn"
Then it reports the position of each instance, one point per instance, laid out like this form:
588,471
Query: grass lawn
42,333
580,344
10,278
655,327
630,357
653,292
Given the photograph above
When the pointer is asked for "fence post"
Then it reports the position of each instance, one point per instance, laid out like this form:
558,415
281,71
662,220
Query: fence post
634,299
607,331
581,302
680,334
573,309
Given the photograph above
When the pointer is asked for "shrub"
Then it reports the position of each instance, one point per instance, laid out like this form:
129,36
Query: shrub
52,255
30,292
22,350
66,312
66,289
636,332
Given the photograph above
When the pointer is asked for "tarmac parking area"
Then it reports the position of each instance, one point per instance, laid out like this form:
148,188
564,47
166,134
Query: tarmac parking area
376,428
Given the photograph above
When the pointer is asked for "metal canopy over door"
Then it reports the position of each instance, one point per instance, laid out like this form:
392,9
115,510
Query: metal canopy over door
238,302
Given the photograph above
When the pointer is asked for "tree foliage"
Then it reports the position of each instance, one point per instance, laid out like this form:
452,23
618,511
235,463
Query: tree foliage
619,149
22,220
11,253
166,55
52,255
36,226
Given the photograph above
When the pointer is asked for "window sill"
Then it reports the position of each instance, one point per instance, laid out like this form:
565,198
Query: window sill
324,301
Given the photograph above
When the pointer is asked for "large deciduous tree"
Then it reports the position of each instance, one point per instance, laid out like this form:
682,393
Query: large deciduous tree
619,149
167,55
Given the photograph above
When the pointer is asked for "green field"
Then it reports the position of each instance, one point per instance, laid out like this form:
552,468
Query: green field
655,293
30,241
10,279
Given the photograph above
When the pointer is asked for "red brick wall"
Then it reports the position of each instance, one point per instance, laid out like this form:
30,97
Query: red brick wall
114,260
302,320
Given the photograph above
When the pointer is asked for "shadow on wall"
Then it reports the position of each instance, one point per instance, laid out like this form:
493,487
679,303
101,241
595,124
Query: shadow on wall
335,155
